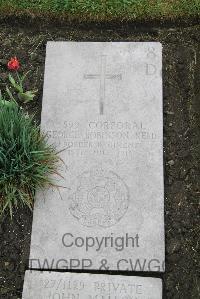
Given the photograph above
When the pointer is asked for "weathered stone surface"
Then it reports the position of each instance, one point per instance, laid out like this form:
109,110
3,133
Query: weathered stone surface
52,285
102,108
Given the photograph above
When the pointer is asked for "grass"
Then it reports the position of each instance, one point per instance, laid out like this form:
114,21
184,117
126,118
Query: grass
26,160
93,10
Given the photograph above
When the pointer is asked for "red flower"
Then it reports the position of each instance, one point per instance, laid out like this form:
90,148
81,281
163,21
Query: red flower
13,64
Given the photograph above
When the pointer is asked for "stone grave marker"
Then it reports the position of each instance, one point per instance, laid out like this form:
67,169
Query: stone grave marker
102,108
45,285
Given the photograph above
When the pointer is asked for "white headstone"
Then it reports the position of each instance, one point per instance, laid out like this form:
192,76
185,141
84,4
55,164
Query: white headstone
102,108
45,285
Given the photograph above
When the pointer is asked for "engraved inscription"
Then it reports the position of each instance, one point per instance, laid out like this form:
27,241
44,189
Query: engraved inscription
73,289
102,137
151,68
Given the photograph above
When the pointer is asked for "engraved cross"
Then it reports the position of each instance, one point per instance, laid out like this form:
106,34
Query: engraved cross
102,76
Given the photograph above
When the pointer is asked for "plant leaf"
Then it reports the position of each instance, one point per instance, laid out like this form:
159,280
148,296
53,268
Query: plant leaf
17,86
10,93
27,96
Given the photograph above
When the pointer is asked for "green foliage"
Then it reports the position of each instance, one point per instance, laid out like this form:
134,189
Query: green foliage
27,162
18,87
109,9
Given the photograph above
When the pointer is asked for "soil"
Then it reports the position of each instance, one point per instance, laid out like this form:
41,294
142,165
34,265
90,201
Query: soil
181,64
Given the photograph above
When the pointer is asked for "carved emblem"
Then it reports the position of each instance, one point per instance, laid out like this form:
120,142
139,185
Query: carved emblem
101,198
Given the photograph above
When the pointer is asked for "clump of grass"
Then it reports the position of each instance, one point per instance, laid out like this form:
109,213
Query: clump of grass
27,161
